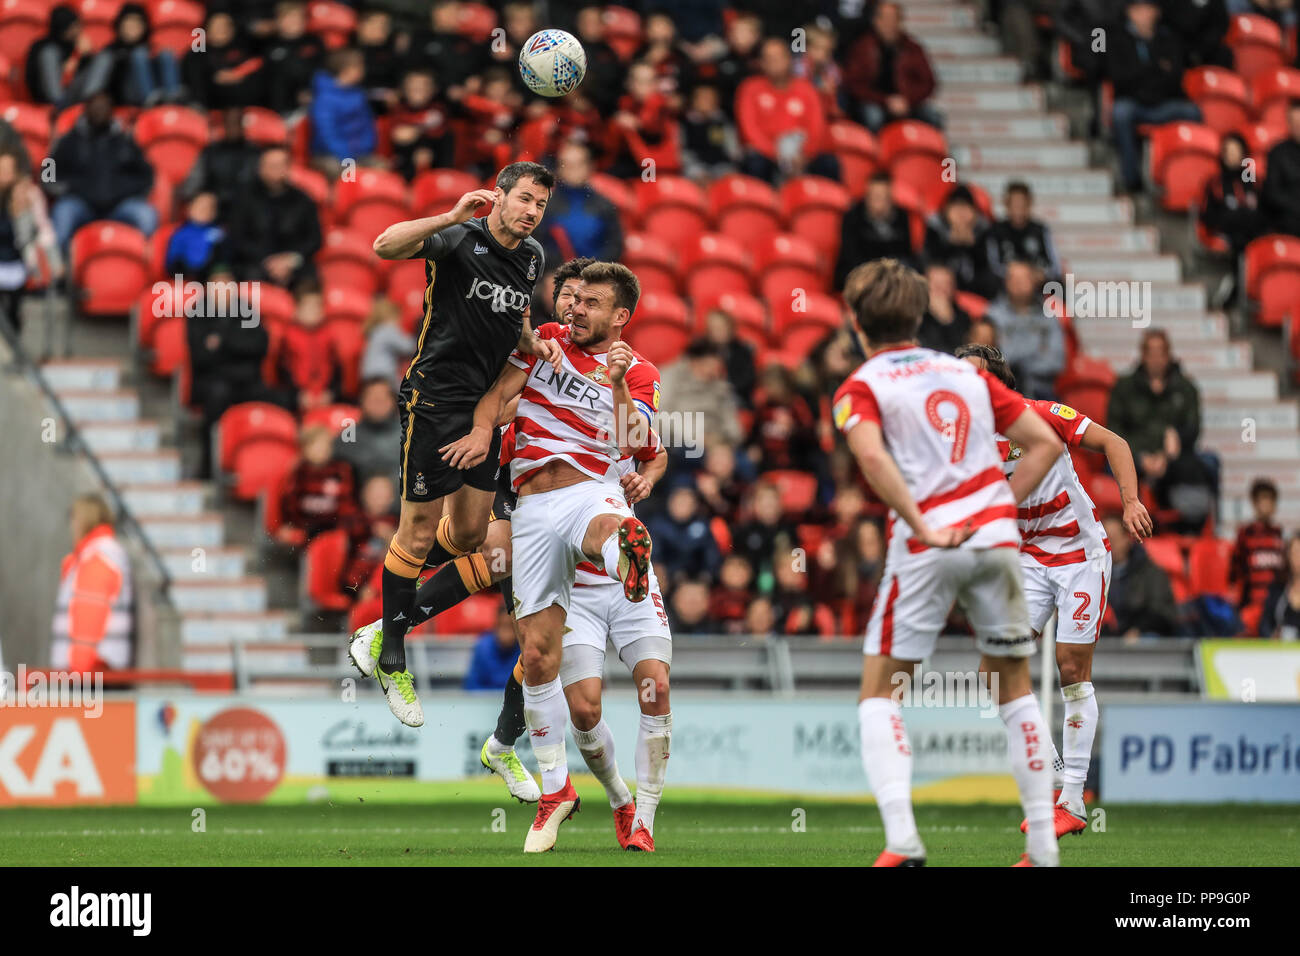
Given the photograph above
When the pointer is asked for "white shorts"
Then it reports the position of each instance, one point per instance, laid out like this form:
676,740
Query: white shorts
917,593
546,532
1076,591
600,613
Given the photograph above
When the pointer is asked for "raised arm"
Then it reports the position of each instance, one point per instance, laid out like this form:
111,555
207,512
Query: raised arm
402,240
1120,458
472,449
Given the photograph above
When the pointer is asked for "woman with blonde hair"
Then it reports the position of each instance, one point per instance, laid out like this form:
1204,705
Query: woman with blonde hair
93,622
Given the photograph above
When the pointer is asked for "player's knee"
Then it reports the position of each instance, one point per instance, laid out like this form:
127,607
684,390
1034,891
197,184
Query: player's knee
585,713
417,533
1072,671
653,694
536,660
468,539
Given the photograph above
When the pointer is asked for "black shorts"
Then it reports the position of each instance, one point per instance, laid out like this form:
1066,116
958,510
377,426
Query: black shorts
503,505
425,429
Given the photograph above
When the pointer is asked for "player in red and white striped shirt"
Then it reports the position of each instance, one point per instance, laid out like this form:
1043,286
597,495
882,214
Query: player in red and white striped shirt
922,425
1065,557
572,428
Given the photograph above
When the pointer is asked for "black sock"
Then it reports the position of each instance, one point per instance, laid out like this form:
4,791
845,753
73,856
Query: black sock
445,589
438,555
510,722
507,587
399,596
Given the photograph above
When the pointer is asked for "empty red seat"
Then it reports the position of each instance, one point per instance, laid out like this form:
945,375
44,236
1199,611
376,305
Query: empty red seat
349,344
32,123
347,304
269,502
1272,266
787,265
264,127
275,306
799,324
110,267
1262,137
347,258
406,287
621,195
672,208
1184,157
857,152
169,345
1221,95
1166,551
1207,566
1085,385
1104,492
476,21
747,313
744,207
1256,44
333,417
97,20
974,305
22,23
171,138
332,22
798,489
653,261
813,207
1272,90
713,264
472,616
172,25
323,563
372,201
151,308
253,422
660,328
436,191
915,152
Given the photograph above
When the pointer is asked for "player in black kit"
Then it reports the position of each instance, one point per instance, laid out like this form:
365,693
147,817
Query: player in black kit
480,274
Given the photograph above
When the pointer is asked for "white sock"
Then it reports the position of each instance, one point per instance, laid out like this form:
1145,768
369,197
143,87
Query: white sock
653,738
887,759
609,552
1058,767
1027,748
546,715
597,748
1079,731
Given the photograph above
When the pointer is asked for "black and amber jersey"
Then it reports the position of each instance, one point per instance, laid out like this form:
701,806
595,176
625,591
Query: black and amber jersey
474,305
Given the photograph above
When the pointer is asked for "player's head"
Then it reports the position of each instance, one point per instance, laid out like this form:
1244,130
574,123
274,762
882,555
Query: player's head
989,358
566,280
887,299
522,192
603,304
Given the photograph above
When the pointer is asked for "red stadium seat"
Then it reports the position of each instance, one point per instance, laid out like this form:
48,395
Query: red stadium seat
857,152
798,489
250,423
259,466
97,20
436,191
1166,551
406,287
1208,565
153,308
275,306
347,258
109,266
622,31
22,23
1184,156
323,563
1221,95
799,325
477,21
173,23
976,306
1271,91
813,207
1272,266
621,195
744,207
653,261
1256,44
264,127
915,153
371,202
713,263
1104,492
673,209
156,246
349,344
1262,137
272,515
332,22
661,308
659,342
169,345
747,312
472,616
333,417
32,123
347,304
1085,385
171,138
786,264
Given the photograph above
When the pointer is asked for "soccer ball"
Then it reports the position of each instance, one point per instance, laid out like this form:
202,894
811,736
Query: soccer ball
552,62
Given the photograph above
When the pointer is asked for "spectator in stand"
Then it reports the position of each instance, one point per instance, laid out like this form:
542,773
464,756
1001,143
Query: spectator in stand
275,231
1022,37
737,355
28,246
739,58
308,359
139,76
102,174
983,333
94,614
342,122
199,243
1077,21
369,530
226,358
645,127
1158,409
318,493
389,347
367,444
684,543
228,72
1280,619
696,385
887,75
662,50
730,600
700,23
226,166
1033,342
1281,12
383,51
1231,209
766,533
797,614
956,237
1141,601
760,621
62,67
876,228
710,147
783,434
419,127
519,21
605,70
292,55
688,608
1201,25
721,484
579,221
1146,62
443,47
817,65
1021,236
495,653
781,121
490,107
1259,556
945,326
1281,191
868,562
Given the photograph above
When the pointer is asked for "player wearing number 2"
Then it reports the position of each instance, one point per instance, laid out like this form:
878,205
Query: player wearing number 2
1065,558
923,426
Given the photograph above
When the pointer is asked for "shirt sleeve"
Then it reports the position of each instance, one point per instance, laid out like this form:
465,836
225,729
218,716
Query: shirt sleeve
1008,404
1068,423
643,386
854,403
437,246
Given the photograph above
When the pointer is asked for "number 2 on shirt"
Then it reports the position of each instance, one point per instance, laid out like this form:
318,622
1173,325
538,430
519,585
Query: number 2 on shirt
952,430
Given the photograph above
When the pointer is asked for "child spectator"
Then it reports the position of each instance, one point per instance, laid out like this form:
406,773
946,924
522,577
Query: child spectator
817,65
419,127
381,50
766,533
342,122
683,538
308,358
389,347
709,144
1259,558
369,531
199,242
797,614
495,653
317,493
730,599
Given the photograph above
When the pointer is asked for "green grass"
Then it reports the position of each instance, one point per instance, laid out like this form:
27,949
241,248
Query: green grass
691,829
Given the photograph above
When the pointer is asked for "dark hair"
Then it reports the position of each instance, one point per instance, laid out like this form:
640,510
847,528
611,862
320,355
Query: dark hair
510,175
700,348
568,270
888,299
340,60
374,380
627,290
1160,334
1263,486
995,363
1019,186
880,177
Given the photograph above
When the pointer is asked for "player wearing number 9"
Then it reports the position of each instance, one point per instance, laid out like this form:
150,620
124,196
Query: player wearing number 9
923,426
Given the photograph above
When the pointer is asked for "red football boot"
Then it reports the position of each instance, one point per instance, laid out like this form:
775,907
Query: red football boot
552,810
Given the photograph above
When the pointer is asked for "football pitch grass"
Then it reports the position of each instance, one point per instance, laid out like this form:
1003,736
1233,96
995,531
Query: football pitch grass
473,826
